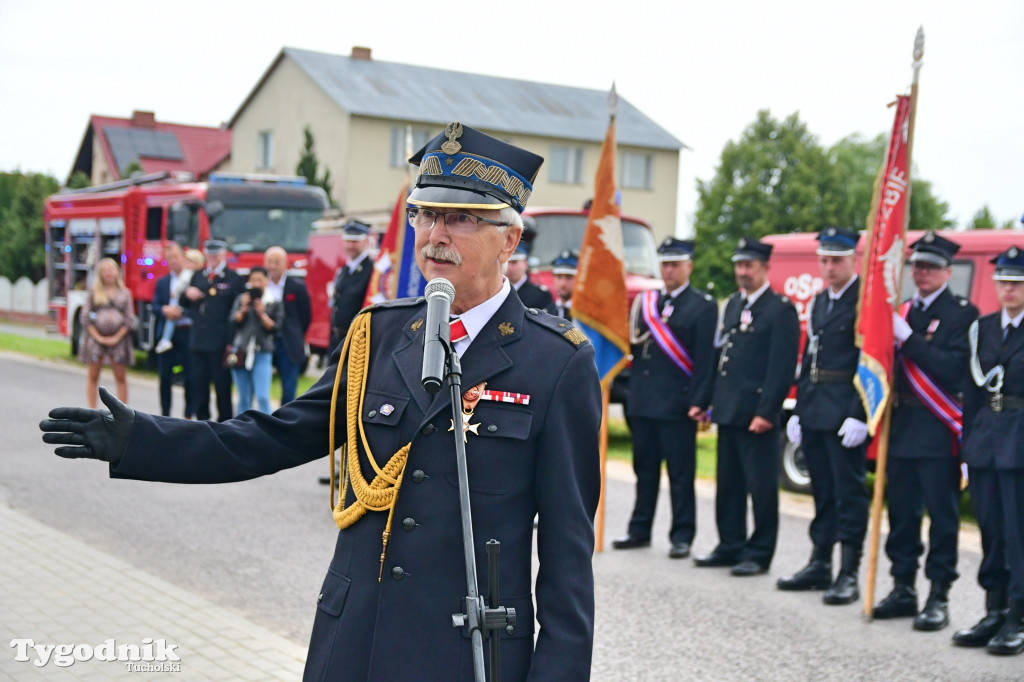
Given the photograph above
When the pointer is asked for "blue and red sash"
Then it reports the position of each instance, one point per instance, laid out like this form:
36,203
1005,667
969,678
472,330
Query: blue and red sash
662,334
940,403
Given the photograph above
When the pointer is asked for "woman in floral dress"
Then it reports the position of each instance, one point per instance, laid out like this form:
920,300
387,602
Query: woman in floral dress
107,322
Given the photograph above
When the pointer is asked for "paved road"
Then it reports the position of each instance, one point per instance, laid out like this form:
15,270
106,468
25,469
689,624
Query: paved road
260,549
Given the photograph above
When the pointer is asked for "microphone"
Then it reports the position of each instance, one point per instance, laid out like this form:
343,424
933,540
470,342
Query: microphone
440,295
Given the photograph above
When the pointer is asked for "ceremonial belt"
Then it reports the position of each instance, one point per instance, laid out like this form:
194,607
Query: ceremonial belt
939,402
830,376
663,335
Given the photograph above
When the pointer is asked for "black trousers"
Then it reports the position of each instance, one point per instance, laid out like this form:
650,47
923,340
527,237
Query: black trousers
181,355
841,499
209,366
916,484
748,464
673,441
998,499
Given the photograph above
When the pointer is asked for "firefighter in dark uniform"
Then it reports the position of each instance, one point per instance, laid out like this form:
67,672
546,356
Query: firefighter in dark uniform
209,298
758,339
564,270
829,422
923,472
994,452
669,393
351,280
532,405
518,272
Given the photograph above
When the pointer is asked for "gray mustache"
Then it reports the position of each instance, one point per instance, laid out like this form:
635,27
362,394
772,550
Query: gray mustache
441,253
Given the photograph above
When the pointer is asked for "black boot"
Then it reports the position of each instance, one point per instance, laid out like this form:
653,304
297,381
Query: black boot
900,603
844,590
935,614
996,610
816,575
1009,641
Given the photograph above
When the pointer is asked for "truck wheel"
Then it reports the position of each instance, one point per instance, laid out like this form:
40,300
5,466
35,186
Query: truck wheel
793,473
76,334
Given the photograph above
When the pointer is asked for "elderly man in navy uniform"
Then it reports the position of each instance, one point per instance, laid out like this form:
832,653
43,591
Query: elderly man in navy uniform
923,473
758,339
672,335
994,452
533,411
829,422
564,270
209,298
351,280
518,272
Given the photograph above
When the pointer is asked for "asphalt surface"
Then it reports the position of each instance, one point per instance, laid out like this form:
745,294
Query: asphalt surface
260,549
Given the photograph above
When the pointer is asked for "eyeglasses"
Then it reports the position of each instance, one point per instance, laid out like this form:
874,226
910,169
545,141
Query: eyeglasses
456,223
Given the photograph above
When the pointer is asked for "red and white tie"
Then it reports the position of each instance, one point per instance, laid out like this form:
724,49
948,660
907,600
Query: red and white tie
458,330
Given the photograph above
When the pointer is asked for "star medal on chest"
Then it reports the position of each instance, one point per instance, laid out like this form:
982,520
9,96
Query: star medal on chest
932,326
213,291
746,319
470,398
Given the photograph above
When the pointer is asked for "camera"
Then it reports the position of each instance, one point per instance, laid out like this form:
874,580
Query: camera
255,293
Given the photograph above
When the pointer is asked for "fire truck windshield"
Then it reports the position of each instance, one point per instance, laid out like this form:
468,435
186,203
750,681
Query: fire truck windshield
557,232
248,229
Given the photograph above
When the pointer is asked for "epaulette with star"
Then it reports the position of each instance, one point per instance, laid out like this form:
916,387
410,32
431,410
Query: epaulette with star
558,325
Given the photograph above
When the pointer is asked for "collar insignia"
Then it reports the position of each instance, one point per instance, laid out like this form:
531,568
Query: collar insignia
415,326
506,329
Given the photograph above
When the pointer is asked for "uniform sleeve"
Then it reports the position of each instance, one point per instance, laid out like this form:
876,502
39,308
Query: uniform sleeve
974,396
568,485
705,358
945,361
785,344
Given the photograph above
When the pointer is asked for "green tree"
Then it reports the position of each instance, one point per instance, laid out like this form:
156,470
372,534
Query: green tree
308,166
79,180
22,235
982,220
130,168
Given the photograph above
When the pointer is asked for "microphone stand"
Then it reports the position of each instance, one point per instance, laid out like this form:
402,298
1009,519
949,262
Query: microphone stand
480,619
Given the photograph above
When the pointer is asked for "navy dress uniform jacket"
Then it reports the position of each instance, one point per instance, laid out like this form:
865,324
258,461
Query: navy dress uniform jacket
211,328
995,440
536,296
825,404
540,458
943,355
757,365
298,313
658,389
349,295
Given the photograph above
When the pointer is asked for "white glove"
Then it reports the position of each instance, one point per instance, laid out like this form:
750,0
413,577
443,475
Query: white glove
793,431
900,329
853,431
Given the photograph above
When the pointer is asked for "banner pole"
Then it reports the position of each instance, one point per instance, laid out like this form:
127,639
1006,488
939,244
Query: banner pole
599,521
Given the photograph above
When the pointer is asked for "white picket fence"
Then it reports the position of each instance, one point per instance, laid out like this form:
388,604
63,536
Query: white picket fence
23,296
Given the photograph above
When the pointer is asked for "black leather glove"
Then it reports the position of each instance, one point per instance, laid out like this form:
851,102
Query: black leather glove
95,434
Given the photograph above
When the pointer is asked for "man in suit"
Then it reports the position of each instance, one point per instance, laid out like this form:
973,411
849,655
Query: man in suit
923,471
180,353
518,272
672,334
290,344
829,422
994,453
532,409
351,280
564,271
209,299
758,341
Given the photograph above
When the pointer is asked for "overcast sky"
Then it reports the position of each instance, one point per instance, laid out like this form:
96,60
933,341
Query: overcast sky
700,70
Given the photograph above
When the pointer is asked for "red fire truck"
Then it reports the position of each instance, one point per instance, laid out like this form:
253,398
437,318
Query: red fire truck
132,221
794,272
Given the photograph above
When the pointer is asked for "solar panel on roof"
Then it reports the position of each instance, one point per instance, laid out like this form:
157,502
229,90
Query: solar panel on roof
131,144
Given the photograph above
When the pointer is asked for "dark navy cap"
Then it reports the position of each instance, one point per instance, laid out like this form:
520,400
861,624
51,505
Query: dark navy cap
837,241
1009,265
356,230
522,251
935,249
566,263
214,246
464,168
673,249
751,249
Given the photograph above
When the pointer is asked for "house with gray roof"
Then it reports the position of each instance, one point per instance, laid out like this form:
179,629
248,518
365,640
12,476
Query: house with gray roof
367,116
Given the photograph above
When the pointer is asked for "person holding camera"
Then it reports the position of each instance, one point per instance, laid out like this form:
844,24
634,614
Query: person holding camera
256,315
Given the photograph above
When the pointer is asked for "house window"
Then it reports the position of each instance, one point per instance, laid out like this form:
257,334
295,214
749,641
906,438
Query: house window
265,153
399,153
637,171
566,164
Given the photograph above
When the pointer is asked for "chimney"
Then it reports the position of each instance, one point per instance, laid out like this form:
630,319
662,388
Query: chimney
362,53
143,119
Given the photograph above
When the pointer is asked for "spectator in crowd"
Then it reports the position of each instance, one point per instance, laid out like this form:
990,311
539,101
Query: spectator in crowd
290,344
209,298
107,322
174,326
564,270
518,272
351,280
256,315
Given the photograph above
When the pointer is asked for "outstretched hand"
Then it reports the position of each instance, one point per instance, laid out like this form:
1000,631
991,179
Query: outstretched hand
94,434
